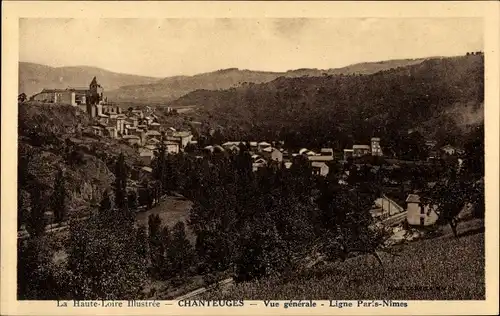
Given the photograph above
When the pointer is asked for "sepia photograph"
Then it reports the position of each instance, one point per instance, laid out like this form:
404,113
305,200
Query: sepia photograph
216,160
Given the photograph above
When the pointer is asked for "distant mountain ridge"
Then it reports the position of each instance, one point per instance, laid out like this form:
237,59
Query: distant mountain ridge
171,88
443,97
142,89
35,77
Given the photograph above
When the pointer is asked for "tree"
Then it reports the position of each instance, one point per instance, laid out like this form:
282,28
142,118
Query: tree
105,205
159,166
22,206
413,147
120,185
36,219
132,200
58,198
146,194
25,182
156,245
171,173
346,224
262,252
460,186
449,196
22,98
217,138
474,154
179,251
38,277
190,148
142,244
105,260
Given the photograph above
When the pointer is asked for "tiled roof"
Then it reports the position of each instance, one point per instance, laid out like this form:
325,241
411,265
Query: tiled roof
320,158
182,134
146,153
153,133
168,142
413,198
65,90
361,147
147,169
84,90
233,143
317,164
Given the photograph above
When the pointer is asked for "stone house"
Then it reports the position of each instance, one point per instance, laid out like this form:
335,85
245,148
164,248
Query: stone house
276,155
320,168
146,156
419,214
360,150
172,147
132,139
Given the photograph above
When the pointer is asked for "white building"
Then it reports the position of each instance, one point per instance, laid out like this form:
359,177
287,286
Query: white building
375,146
419,214
320,168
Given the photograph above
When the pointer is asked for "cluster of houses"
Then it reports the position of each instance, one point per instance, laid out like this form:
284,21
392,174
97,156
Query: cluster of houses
264,153
374,149
140,128
362,150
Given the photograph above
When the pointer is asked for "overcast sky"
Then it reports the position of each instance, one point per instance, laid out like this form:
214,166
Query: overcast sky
168,47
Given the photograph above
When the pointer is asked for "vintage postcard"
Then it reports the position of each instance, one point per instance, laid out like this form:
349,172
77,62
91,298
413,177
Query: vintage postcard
242,158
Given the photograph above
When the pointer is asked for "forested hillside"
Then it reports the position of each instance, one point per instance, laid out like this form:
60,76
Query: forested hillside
338,110
170,88
52,139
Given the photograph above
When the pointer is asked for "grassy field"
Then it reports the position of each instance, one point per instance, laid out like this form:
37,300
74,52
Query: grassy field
171,210
442,268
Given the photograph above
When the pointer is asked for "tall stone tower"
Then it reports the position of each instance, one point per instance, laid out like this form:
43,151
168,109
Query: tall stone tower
95,92
93,98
